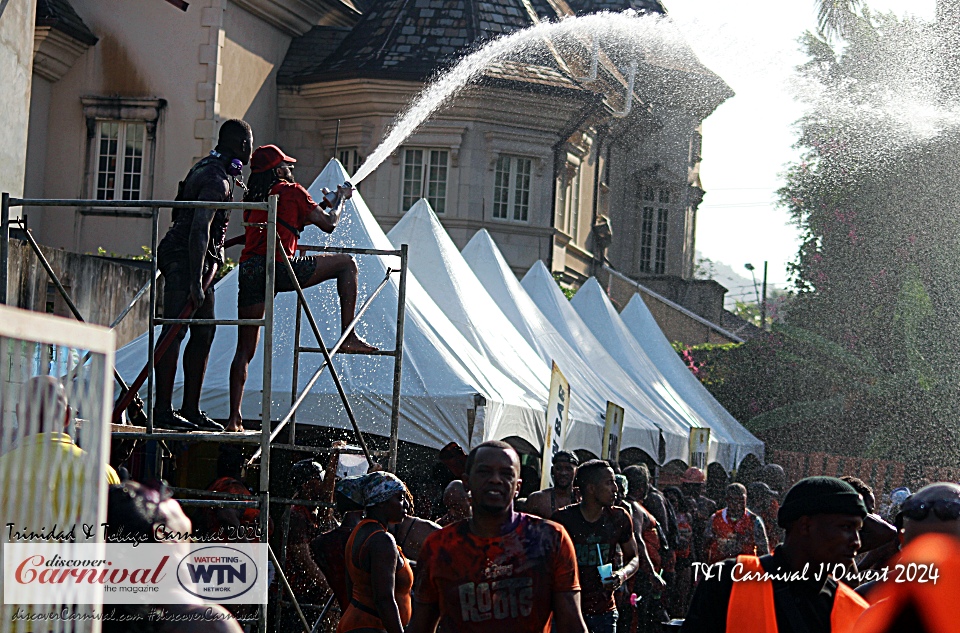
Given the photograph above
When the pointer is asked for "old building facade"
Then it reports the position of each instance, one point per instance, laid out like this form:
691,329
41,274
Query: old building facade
557,168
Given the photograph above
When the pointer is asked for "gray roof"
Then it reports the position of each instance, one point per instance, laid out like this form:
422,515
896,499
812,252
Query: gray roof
308,52
582,7
413,39
58,14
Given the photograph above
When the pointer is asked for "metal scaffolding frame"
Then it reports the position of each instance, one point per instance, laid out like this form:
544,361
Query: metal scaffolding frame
267,435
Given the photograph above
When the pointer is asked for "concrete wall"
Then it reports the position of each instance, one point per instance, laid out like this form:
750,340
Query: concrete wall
16,70
99,287
676,323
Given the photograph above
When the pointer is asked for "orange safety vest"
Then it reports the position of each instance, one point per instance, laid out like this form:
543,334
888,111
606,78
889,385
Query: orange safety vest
751,608
935,603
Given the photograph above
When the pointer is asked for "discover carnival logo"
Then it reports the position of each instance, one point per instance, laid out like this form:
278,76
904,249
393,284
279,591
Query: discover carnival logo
112,573
217,572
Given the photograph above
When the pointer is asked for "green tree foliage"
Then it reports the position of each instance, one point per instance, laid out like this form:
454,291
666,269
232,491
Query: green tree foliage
835,18
868,362
567,291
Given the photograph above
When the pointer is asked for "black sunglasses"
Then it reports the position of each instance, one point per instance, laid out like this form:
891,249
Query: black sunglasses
944,509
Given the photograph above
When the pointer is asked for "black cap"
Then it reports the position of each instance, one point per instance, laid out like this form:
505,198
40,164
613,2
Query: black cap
759,487
304,471
565,456
820,495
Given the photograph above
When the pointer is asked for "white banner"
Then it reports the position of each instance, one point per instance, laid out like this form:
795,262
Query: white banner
128,573
699,447
612,432
556,435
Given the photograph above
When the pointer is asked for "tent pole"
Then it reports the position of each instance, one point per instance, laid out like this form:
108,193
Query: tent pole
398,362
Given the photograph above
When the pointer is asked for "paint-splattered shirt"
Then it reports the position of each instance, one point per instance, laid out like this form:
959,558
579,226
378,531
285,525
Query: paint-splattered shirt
595,544
492,585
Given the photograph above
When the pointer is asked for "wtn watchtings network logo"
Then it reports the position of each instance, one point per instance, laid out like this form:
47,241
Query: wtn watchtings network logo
218,573
122,573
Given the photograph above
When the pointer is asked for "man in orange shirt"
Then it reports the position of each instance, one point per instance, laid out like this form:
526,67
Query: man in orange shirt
734,529
499,570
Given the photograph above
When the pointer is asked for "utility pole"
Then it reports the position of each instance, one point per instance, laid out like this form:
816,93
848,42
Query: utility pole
763,302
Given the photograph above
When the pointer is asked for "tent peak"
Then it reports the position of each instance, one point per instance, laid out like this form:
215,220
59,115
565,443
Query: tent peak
333,174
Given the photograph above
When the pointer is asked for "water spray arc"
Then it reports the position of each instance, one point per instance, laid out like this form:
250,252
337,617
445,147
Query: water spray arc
594,62
625,35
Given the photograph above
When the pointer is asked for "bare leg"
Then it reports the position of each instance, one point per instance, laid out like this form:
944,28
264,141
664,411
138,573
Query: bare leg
166,373
195,357
247,338
344,269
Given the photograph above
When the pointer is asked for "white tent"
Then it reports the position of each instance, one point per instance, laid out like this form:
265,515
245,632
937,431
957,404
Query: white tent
439,267
589,391
594,307
673,431
441,372
641,325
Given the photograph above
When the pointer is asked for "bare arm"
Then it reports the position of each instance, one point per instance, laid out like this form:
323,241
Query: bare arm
631,555
760,536
383,571
566,613
326,221
640,521
327,487
302,558
197,250
655,505
426,617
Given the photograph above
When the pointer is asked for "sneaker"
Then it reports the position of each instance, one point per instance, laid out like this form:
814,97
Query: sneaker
172,421
201,420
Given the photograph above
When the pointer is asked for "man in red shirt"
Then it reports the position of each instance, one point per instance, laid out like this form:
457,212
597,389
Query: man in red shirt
499,570
272,174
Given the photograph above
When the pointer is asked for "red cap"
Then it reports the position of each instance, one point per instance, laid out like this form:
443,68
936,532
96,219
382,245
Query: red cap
267,157
693,475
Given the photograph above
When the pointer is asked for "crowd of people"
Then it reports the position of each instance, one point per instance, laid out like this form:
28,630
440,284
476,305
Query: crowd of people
600,551
603,551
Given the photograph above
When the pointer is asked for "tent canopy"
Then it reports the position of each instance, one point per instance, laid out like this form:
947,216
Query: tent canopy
641,325
445,276
589,392
441,375
670,431
596,310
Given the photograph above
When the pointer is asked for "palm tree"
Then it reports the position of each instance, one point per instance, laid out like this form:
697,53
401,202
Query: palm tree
836,17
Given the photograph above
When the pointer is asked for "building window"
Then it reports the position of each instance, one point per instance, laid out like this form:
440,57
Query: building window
119,159
425,176
511,188
660,253
653,230
350,159
568,203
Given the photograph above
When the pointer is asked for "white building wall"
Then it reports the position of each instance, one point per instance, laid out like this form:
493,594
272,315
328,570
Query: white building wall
16,70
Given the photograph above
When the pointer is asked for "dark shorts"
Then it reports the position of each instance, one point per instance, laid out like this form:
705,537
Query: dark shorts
253,273
176,287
